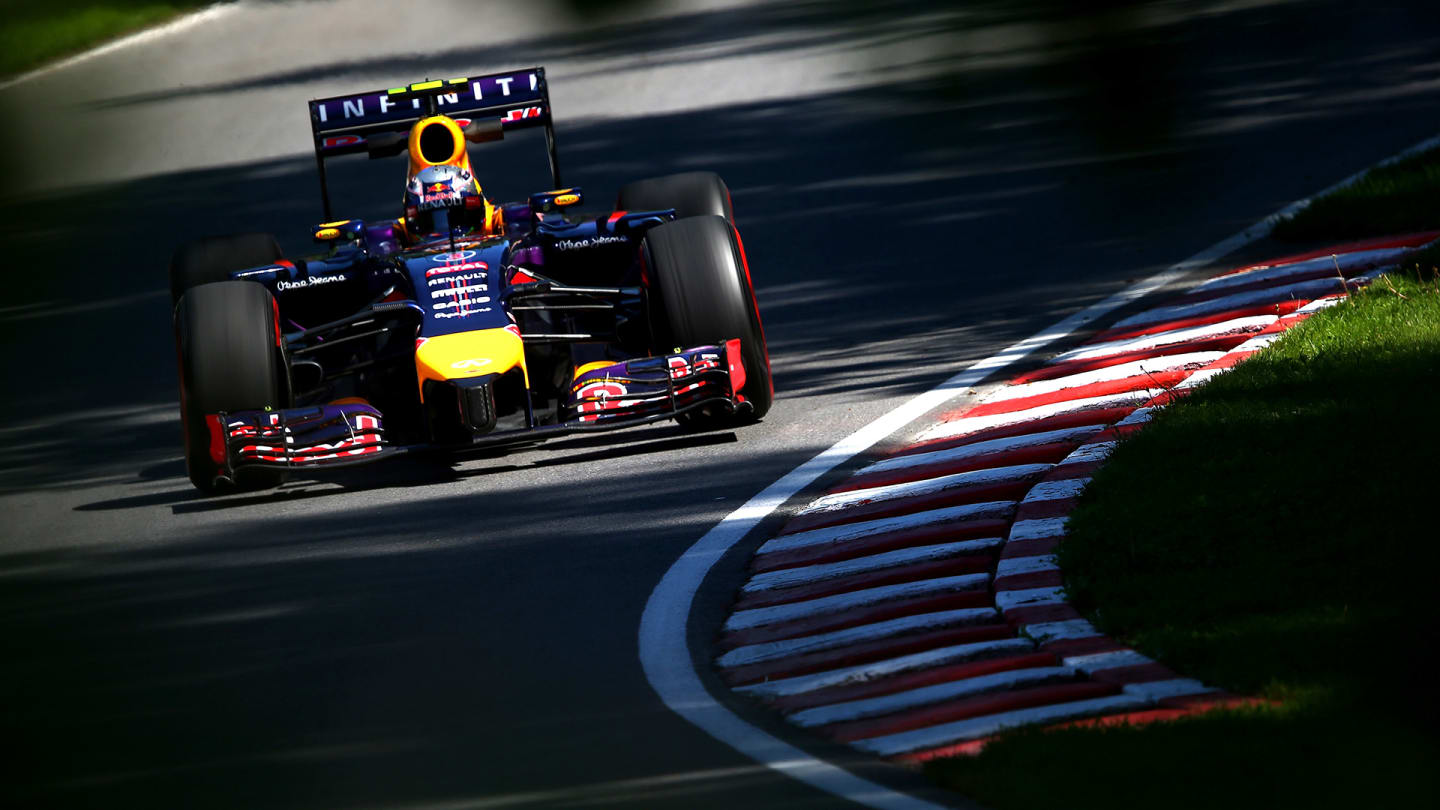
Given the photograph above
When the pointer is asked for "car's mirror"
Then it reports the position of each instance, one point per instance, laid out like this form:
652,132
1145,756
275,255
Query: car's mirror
483,130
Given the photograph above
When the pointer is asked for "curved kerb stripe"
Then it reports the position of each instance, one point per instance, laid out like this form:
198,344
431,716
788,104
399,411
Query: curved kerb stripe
664,642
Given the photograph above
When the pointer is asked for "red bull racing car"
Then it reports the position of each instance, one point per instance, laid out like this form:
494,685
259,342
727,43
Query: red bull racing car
464,323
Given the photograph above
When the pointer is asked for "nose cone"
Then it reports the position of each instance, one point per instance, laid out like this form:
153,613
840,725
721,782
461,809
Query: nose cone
468,354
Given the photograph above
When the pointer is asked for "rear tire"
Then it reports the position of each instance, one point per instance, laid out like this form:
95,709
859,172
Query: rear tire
230,360
214,258
691,194
701,294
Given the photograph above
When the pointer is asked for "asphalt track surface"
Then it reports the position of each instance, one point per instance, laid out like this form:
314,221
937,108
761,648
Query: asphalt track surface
917,188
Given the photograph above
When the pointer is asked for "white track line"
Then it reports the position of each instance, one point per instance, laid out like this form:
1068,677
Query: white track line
840,501
207,14
839,535
820,642
926,695
865,673
824,572
663,638
840,602
985,448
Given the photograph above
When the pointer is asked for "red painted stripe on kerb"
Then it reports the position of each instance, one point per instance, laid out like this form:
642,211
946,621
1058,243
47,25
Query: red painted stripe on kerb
875,544
1159,379
911,680
1039,454
1219,343
1095,416
981,493
863,653
963,709
952,566
812,625
1379,243
1127,333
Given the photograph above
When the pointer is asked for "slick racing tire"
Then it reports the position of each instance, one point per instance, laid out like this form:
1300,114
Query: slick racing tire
230,360
692,194
700,294
214,258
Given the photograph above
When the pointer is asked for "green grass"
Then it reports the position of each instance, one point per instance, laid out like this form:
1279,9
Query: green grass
1398,198
1273,534
36,33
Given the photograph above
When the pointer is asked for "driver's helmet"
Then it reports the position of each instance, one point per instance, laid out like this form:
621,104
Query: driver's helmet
445,200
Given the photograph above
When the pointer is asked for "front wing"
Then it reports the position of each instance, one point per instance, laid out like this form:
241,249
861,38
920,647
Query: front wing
634,392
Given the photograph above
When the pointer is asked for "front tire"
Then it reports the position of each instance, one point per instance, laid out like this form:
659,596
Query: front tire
230,360
701,294
214,258
691,194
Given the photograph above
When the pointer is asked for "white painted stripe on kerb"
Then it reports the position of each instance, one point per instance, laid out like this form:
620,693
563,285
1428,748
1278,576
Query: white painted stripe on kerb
1026,565
988,447
1173,337
841,602
927,695
1320,303
785,648
1160,690
1119,371
1029,597
1140,416
1037,529
1200,378
1086,453
837,535
1059,631
1095,662
925,486
664,639
1056,490
1304,290
809,574
966,425
975,728
1339,262
890,667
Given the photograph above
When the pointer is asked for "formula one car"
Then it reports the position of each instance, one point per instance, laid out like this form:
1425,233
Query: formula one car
464,324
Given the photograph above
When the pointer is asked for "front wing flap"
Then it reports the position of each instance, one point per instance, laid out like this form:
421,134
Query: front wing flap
657,386
625,394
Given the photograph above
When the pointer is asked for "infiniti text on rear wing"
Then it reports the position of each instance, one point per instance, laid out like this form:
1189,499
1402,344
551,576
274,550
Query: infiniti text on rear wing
348,124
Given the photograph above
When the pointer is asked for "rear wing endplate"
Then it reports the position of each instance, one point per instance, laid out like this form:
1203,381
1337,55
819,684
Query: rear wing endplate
344,125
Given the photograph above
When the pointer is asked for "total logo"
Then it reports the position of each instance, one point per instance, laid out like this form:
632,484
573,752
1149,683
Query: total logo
457,256
472,365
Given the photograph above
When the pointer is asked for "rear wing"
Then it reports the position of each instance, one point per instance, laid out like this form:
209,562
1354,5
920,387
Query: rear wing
344,125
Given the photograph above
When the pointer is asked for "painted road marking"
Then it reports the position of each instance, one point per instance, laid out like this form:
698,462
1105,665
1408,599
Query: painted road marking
664,644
